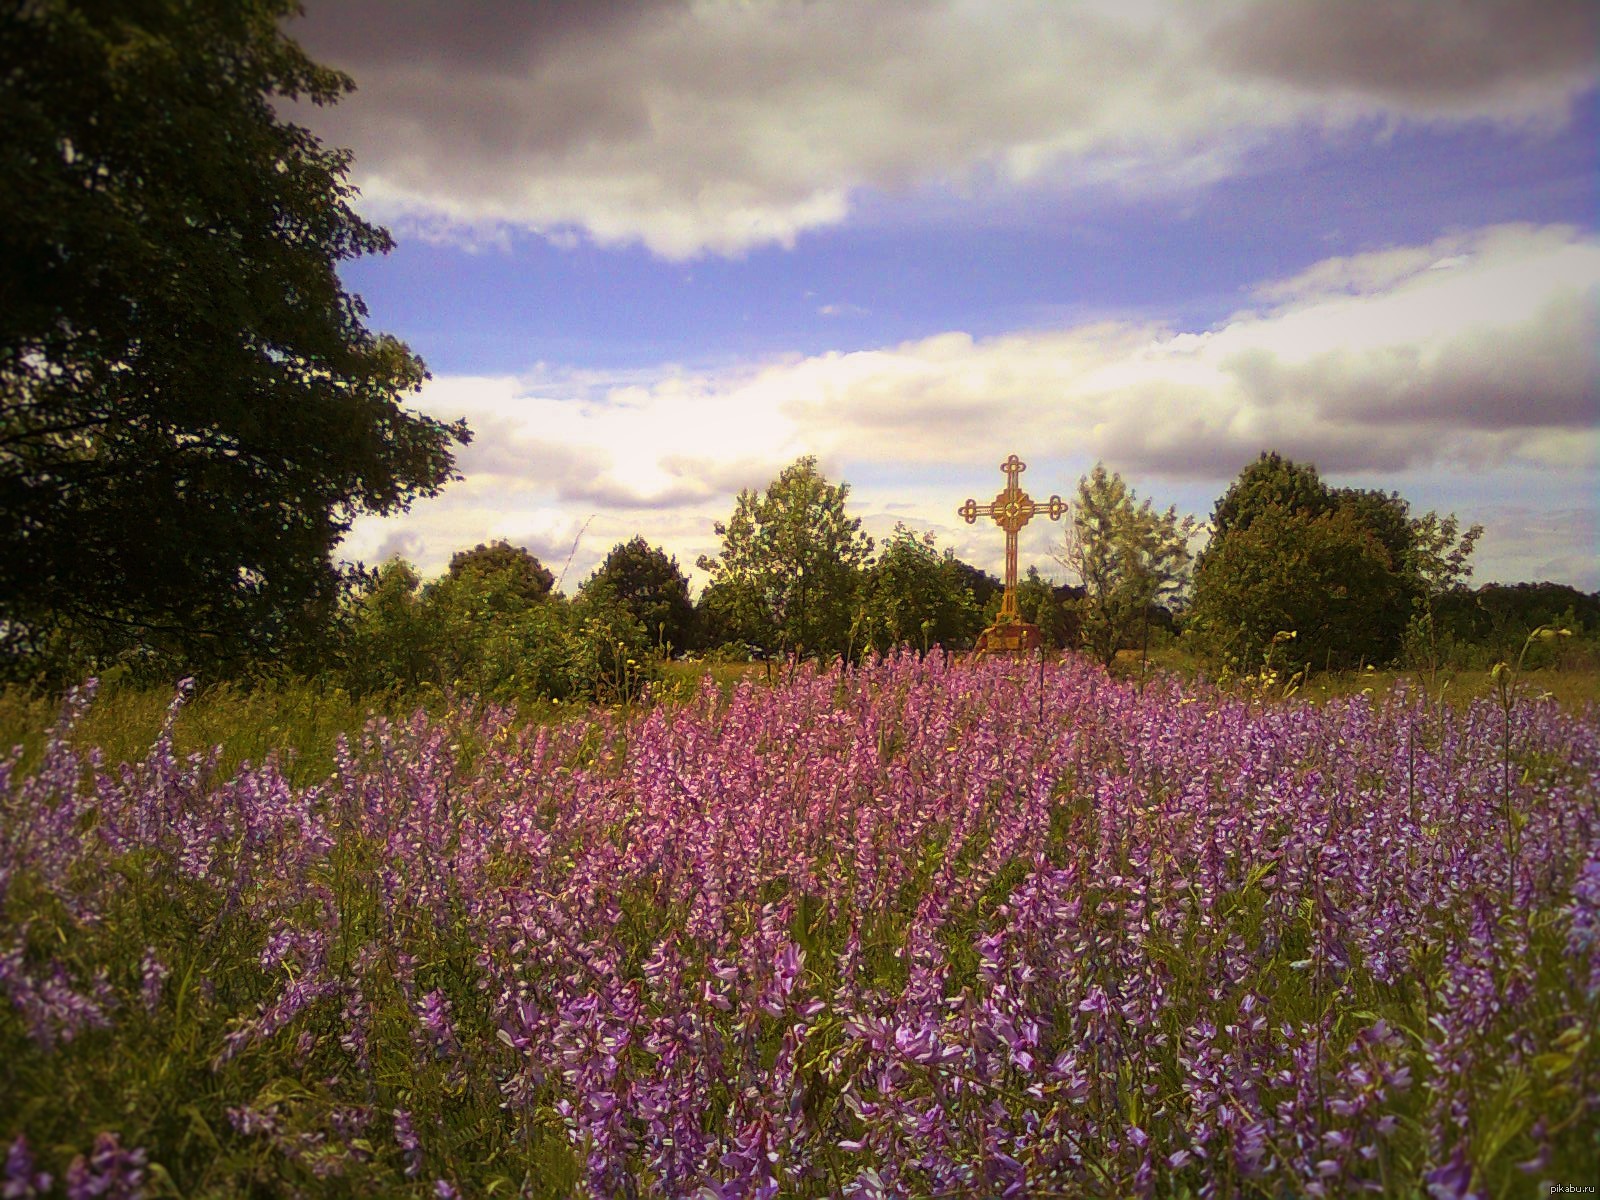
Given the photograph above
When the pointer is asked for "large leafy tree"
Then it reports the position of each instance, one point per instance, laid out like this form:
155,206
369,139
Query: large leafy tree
1299,586
1402,563
790,563
1386,519
192,410
1271,481
515,570
914,596
472,611
1129,556
651,586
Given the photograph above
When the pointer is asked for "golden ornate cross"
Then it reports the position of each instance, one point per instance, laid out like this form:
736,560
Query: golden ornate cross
1012,509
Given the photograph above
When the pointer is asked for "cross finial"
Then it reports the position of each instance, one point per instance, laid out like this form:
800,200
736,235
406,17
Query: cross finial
1011,509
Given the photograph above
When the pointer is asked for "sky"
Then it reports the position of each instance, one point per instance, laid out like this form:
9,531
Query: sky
653,252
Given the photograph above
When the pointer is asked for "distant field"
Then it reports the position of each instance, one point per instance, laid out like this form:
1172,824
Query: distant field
1571,687
909,930
301,722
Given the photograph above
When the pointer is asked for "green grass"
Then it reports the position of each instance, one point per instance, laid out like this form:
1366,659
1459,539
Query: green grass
300,721
681,680
1572,686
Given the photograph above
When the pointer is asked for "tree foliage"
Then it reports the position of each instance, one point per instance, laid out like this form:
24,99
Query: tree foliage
914,596
1436,559
1385,517
388,639
1128,556
191,409
727,620
516,572
651,586
1439,551
1314,579
1271,481
1055,608
1477,628
980,583
790,564
482,630
1394,566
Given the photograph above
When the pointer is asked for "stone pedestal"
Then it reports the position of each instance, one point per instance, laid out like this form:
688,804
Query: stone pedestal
1008,639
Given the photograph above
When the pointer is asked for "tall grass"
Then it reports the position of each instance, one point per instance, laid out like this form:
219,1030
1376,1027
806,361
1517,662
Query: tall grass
295,722
873,932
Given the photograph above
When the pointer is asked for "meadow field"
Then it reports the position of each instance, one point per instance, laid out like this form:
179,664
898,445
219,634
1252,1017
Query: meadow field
904,929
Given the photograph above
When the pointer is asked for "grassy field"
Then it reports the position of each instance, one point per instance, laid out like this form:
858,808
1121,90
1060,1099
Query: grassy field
300,722
1571,686
918,929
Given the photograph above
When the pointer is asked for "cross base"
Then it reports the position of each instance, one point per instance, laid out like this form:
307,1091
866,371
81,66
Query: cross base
1008,639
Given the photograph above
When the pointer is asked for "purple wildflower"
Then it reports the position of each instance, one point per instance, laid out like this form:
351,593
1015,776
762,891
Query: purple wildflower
1122,950
1452,1180
152,978
1583,938
55,1010
110,1172
433,1011
252,1122
405,1136
21,1181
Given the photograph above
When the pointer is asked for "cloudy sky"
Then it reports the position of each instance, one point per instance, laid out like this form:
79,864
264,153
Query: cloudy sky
652,252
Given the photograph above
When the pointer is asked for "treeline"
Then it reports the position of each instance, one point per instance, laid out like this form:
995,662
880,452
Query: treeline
795,577
1295,575
798,584
1300,575
1492,624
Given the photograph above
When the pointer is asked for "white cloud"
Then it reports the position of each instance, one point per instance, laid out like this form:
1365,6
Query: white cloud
713,127
1525,543
1374,365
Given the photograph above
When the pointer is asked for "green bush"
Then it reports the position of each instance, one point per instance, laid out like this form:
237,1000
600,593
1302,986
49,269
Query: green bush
1322,579
482,632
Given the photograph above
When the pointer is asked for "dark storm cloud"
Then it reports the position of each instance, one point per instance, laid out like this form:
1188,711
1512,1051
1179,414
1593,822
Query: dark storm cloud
447,85
1413,52
1539,376
724,126
479,35
1475,349
1219,453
